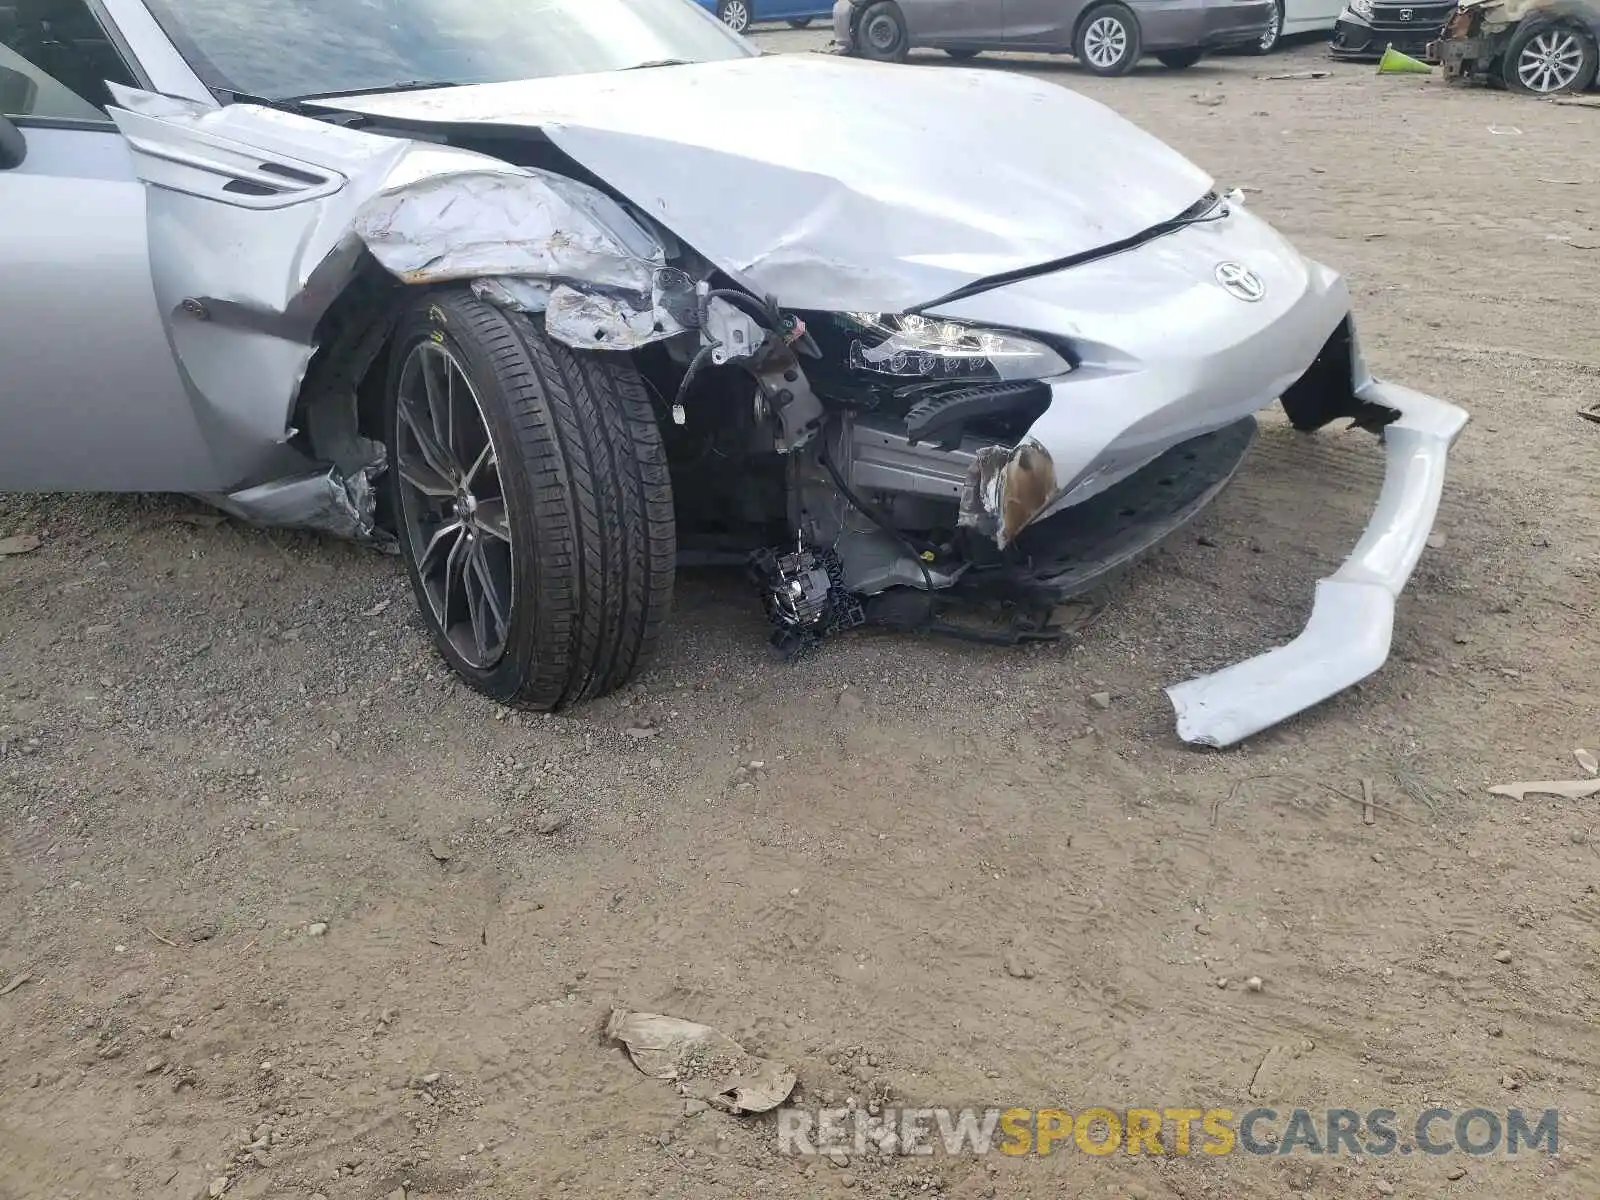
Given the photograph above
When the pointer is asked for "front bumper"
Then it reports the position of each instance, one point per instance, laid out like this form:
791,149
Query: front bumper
1356,40
1352,619
1201,24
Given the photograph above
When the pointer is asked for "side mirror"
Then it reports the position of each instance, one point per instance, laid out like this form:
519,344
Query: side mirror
13,146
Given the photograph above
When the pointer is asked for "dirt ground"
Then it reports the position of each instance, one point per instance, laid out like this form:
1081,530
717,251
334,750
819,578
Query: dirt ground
263,864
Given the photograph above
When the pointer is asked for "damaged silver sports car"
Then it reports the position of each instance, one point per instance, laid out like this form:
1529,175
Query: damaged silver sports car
559,294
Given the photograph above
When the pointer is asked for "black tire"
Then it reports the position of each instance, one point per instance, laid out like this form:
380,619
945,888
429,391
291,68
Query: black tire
1530,32
799,22
1273,38
728,12
1091,26
881,34
587,495
1180,60
963,54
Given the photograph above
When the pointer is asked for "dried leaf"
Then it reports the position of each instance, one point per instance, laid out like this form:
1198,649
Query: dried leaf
706,1063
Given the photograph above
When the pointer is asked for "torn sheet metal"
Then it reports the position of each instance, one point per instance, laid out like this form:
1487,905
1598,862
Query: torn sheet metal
344,505
507,220
1352,619
519,295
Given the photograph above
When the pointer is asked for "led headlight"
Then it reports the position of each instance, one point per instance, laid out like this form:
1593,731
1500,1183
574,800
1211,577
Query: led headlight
927,349
1362,9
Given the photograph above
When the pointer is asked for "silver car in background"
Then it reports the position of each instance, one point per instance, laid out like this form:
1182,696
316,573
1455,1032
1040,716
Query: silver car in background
1107,36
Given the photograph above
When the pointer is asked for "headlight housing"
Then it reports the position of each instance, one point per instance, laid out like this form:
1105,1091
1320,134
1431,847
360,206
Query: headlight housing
1362,9
917,349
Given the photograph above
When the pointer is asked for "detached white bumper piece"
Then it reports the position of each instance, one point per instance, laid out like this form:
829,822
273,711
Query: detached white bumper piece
1352,619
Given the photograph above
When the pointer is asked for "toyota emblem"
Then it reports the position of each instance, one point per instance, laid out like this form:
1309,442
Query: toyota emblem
1240,282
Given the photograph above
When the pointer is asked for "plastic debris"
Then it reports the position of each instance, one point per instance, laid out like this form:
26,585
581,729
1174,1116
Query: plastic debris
1569,789
706,1063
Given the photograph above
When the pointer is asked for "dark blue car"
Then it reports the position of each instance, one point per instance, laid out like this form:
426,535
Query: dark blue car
738,14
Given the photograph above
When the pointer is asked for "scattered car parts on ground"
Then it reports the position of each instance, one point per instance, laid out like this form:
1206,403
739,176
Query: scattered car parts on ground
554,339
1541,47
1107,36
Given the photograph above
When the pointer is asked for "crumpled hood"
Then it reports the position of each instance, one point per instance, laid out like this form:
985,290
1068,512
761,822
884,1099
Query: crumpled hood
841,185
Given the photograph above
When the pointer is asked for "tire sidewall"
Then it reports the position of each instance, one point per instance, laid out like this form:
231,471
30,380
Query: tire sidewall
1277,40
430,320
1525,34
1130,25
889,11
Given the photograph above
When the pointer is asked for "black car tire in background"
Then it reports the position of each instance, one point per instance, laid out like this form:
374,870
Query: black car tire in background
1273,37
534,503
1180,60
735,14
1545,58
881,33
964,54
799,22
1108,40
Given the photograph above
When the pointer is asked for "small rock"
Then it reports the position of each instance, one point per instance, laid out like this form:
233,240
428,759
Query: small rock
1436,541
1496,1031
1502,956
1377,856
693,1108
431,1078
847,1180
838,1158
1455,1173
398,1194
317,928
1222,981
218,1185
204,932
1017,966
1100,699
550,823
640,733
1509,1082
262,1132
1383,1187
153,1064
99,630
1254,983
258,1155
438,849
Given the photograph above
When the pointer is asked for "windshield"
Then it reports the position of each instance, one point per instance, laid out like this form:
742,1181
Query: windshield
283,49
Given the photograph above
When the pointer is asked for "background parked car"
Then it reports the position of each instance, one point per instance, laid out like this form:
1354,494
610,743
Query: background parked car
1367,27
1106,36
1528,45
738,14
1292,17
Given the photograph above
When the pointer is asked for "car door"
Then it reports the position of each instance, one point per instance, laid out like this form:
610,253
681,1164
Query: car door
1045,24
941,22
90,398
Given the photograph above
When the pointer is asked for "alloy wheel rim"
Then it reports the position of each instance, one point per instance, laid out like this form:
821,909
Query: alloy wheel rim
735,15
1105,42
453,506
1269,39
1550,62
882,34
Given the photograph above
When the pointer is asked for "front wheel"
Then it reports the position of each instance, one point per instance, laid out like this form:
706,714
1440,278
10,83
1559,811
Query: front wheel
1545,60
1179,60
881,33
1108,40
735,14
532,500
1273,35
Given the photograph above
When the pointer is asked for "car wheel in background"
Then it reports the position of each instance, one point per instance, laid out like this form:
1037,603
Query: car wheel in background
1180,60
963,55
735,14
1545,59
1271,39
1108,40
799,22
881,33
532,502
